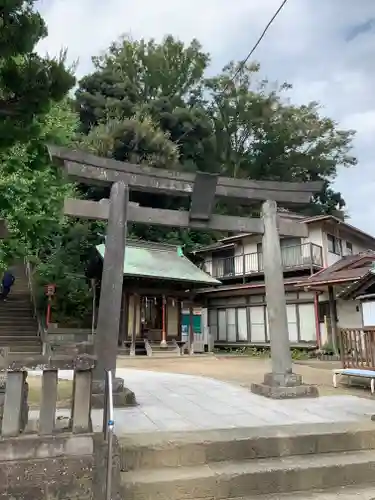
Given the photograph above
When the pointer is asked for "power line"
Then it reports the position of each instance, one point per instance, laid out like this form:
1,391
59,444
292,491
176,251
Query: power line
242,64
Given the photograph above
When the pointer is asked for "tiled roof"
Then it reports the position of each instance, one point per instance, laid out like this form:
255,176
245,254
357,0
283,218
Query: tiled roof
349,268
153,260
359,286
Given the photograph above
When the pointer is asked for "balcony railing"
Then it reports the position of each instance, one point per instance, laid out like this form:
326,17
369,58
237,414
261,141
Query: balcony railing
299,256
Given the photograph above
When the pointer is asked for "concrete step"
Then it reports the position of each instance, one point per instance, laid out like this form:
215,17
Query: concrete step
14,306
18,318
145,451
344,493
25,350
158,347
19,339
223,480
11,334
23,327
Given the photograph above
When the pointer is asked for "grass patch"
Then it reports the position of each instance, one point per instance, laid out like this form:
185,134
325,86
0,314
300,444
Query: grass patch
64,392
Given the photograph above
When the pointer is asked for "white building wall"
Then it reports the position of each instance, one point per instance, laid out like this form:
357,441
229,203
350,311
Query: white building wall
349,314
315,235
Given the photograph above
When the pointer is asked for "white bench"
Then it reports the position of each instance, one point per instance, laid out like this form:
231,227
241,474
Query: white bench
355,372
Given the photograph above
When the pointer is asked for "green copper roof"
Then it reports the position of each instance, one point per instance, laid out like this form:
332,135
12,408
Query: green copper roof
153,260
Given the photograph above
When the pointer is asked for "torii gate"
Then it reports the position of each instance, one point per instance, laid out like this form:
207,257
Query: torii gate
202,188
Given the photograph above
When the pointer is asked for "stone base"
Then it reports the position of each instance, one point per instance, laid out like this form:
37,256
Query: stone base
284,386
122,396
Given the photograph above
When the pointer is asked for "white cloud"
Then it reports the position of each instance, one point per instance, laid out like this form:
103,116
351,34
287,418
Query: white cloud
307,46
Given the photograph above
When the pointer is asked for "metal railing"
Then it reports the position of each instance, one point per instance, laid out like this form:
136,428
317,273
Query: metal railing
305,255
108,428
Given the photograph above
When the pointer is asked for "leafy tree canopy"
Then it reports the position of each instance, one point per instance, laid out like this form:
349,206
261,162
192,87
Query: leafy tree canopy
243,127
28,82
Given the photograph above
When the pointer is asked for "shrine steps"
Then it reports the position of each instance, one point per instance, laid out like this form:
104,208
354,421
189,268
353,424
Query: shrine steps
18,326
282,462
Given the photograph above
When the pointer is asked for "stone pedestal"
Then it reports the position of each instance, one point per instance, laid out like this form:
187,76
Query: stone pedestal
284,386
122,396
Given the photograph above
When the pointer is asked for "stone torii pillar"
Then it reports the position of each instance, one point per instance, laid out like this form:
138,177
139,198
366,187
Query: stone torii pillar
106,336
281,383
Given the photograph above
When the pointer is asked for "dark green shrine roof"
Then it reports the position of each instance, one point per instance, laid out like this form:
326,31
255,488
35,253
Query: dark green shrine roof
154,260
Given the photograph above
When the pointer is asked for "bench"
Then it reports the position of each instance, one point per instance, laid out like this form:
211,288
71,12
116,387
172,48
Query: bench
355,372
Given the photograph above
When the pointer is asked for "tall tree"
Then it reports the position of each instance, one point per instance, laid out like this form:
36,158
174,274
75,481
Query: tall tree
28,82
144,103
261,135
238,126
164,81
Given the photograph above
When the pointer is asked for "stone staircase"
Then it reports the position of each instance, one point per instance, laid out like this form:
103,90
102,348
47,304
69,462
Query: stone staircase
320,462
18,327
170,349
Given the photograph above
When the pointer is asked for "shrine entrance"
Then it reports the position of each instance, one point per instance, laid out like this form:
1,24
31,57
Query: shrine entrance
203,189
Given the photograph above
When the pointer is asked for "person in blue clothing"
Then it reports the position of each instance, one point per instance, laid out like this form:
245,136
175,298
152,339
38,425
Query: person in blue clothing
6,284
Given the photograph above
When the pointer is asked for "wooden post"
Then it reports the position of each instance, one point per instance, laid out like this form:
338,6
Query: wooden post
179,319
163,342
134,329
191,329
332,315
106,338
124,319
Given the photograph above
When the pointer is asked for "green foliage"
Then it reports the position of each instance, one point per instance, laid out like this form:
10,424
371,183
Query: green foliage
148,103
260,135
244,127
32,189
28,83
136,140
64,262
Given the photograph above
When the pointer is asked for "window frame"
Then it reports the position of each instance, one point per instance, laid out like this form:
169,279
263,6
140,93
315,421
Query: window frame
335,243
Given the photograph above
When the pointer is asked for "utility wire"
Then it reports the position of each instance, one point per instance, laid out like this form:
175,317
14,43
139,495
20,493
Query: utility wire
242,64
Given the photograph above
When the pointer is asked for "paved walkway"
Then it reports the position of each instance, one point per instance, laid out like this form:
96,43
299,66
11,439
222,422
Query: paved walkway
175,402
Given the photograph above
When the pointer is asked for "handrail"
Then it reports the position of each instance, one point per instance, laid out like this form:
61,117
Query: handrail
108,428
41,329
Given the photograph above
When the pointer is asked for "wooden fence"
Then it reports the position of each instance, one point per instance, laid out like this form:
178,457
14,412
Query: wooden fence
357,348
15,393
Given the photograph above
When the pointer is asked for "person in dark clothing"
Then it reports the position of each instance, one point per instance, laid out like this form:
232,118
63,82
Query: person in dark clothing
7,283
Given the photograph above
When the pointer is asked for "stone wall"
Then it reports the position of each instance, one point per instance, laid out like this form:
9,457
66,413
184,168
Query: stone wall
61,467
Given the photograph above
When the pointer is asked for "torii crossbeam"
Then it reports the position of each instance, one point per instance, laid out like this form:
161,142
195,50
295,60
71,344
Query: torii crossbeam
203,189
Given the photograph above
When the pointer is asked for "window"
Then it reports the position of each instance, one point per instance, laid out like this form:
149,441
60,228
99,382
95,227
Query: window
334,244
349,248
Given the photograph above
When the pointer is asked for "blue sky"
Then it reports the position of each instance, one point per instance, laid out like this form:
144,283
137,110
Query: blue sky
325,48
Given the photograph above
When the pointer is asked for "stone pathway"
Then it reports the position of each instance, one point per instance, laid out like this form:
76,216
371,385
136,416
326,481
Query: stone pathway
176,402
